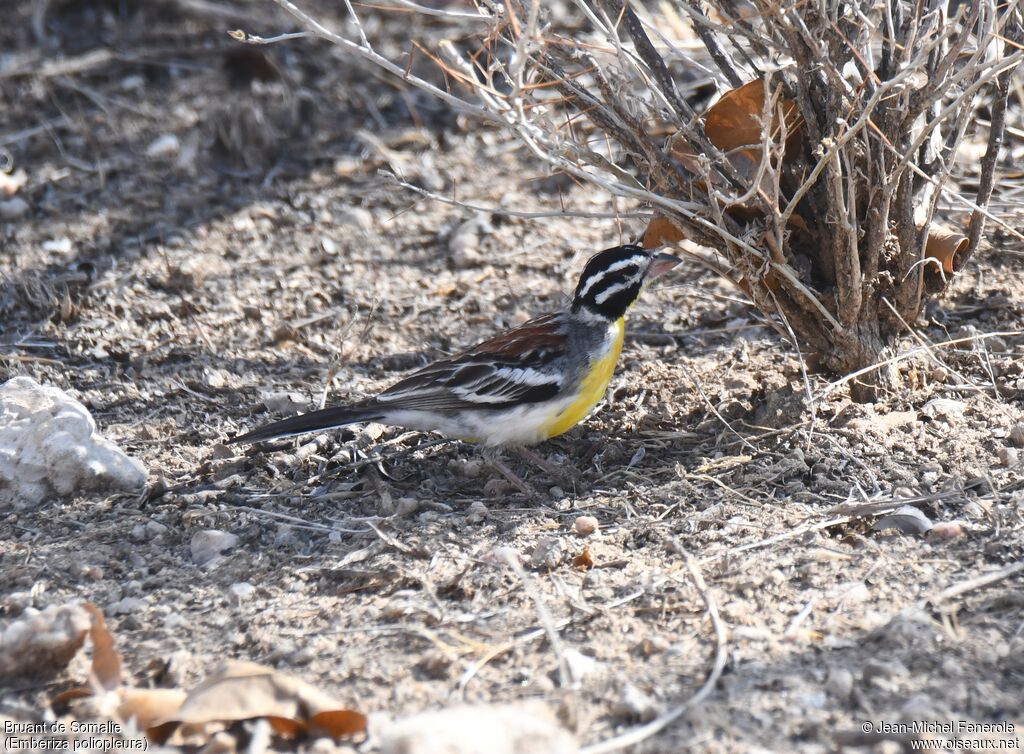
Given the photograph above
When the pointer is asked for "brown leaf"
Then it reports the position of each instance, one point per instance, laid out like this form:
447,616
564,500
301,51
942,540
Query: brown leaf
661,231
584,561
735,120
106,662
245,691
147,706
945,243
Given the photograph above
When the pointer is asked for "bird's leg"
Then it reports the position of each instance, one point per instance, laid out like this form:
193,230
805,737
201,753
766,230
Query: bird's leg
493,459
559,473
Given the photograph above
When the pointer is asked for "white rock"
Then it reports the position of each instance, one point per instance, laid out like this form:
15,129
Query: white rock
242,590
209,543
126,606
357,217
15,208
945,408
49,446
60,245
634,704
522,728
165,145
580,666
839,683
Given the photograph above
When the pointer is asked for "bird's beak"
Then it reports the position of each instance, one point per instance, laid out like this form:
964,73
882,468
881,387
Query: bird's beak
660,264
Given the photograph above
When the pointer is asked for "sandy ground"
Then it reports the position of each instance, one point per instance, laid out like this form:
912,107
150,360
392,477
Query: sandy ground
187,290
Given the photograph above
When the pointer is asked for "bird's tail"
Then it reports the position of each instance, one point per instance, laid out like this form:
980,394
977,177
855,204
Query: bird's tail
315,421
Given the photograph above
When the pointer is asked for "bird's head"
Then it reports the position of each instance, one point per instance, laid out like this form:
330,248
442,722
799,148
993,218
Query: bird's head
612,279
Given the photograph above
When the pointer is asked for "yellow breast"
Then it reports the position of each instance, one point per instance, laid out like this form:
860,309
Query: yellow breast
592,388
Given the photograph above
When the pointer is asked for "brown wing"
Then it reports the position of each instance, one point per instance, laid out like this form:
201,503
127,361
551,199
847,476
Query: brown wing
516,366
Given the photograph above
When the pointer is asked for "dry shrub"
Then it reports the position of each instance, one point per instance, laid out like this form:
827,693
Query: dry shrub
812,181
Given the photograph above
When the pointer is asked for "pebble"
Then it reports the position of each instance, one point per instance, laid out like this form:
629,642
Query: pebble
242,590
175,621
210,543
652,645
464,245
1017,435
125,606
13,209
584,526
839,683
17,602
946,408
477,512
138,533
580,665
357,217
1009,456
548,553
528,727
59,245
946,530
406,506
163,146
634,704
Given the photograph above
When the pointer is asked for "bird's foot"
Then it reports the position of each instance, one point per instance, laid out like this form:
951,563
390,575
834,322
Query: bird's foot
502,468
559,473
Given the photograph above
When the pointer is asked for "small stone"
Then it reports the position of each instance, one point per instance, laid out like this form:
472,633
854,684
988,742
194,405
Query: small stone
635,705
1009,456
138,533
944,408
477,512
126,606
328,246
406,506
58,245
155,529
996,344
357,217
163,146
464,245
504,556
242,590
839,683
13,209
580,665
549,553
873,669
652,645
174,621
584,526
284,403
209,544
946,530
1017,435
519,728
285,536
16,602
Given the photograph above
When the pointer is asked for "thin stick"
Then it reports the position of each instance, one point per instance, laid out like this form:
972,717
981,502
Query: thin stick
643,732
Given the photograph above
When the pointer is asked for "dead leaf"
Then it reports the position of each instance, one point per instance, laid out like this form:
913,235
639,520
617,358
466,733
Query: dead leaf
661,231
945,244
735,119
147,706
106,662
584,561
906,519
245,691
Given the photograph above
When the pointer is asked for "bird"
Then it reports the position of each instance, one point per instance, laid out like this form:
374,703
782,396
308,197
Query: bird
521,387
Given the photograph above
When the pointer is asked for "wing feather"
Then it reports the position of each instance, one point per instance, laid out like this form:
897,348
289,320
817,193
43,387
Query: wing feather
514,367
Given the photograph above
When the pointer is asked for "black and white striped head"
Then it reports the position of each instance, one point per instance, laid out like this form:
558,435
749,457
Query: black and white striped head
613,278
